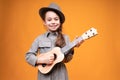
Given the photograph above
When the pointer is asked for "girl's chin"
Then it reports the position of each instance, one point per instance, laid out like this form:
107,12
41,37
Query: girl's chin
53,30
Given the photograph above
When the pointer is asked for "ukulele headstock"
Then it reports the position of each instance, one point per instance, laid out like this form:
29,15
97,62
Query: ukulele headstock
90,33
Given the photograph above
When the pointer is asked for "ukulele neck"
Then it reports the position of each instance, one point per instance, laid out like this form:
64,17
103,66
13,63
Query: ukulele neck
66,48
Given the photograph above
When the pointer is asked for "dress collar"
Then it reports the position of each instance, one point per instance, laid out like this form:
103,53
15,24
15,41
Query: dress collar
51,33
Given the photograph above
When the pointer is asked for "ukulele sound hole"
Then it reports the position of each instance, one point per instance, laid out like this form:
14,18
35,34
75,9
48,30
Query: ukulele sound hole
55,56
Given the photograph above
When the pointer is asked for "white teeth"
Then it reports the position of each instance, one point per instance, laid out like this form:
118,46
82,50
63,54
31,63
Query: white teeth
53,25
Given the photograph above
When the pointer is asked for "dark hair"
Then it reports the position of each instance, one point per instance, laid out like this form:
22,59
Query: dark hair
60,41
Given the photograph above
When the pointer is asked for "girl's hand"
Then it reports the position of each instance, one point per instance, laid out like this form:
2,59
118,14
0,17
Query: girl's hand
43,59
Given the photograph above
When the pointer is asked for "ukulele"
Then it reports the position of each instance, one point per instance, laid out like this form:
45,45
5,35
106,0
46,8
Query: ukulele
59,53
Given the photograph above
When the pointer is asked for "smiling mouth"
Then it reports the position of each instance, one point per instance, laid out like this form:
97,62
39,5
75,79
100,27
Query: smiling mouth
54,26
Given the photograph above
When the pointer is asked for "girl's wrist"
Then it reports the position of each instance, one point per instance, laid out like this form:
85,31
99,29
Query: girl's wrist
39,61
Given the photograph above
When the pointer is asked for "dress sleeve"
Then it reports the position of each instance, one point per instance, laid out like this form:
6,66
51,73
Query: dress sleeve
32,52
69,56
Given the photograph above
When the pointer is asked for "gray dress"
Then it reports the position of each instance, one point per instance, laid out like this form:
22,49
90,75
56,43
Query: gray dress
45,43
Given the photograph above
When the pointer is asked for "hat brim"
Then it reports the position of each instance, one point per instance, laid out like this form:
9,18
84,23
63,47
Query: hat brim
43,10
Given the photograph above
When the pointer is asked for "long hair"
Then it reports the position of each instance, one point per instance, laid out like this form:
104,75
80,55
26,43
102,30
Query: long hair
60,41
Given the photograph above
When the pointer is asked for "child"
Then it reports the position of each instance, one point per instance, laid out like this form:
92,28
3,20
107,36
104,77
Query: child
53,19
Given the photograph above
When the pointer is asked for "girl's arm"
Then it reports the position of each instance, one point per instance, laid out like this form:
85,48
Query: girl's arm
30,56
69,56
70,53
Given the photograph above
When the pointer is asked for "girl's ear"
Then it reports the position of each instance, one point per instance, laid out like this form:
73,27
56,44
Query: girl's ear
44,23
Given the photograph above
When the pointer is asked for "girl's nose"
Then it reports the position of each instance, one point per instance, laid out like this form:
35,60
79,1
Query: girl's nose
53,21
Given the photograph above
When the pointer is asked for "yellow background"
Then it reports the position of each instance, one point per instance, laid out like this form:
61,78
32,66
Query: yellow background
97,59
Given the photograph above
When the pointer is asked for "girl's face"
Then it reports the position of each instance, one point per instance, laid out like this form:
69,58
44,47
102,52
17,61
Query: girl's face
52,21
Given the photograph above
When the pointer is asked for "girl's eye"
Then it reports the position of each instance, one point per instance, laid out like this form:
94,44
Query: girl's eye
56,19
49,19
